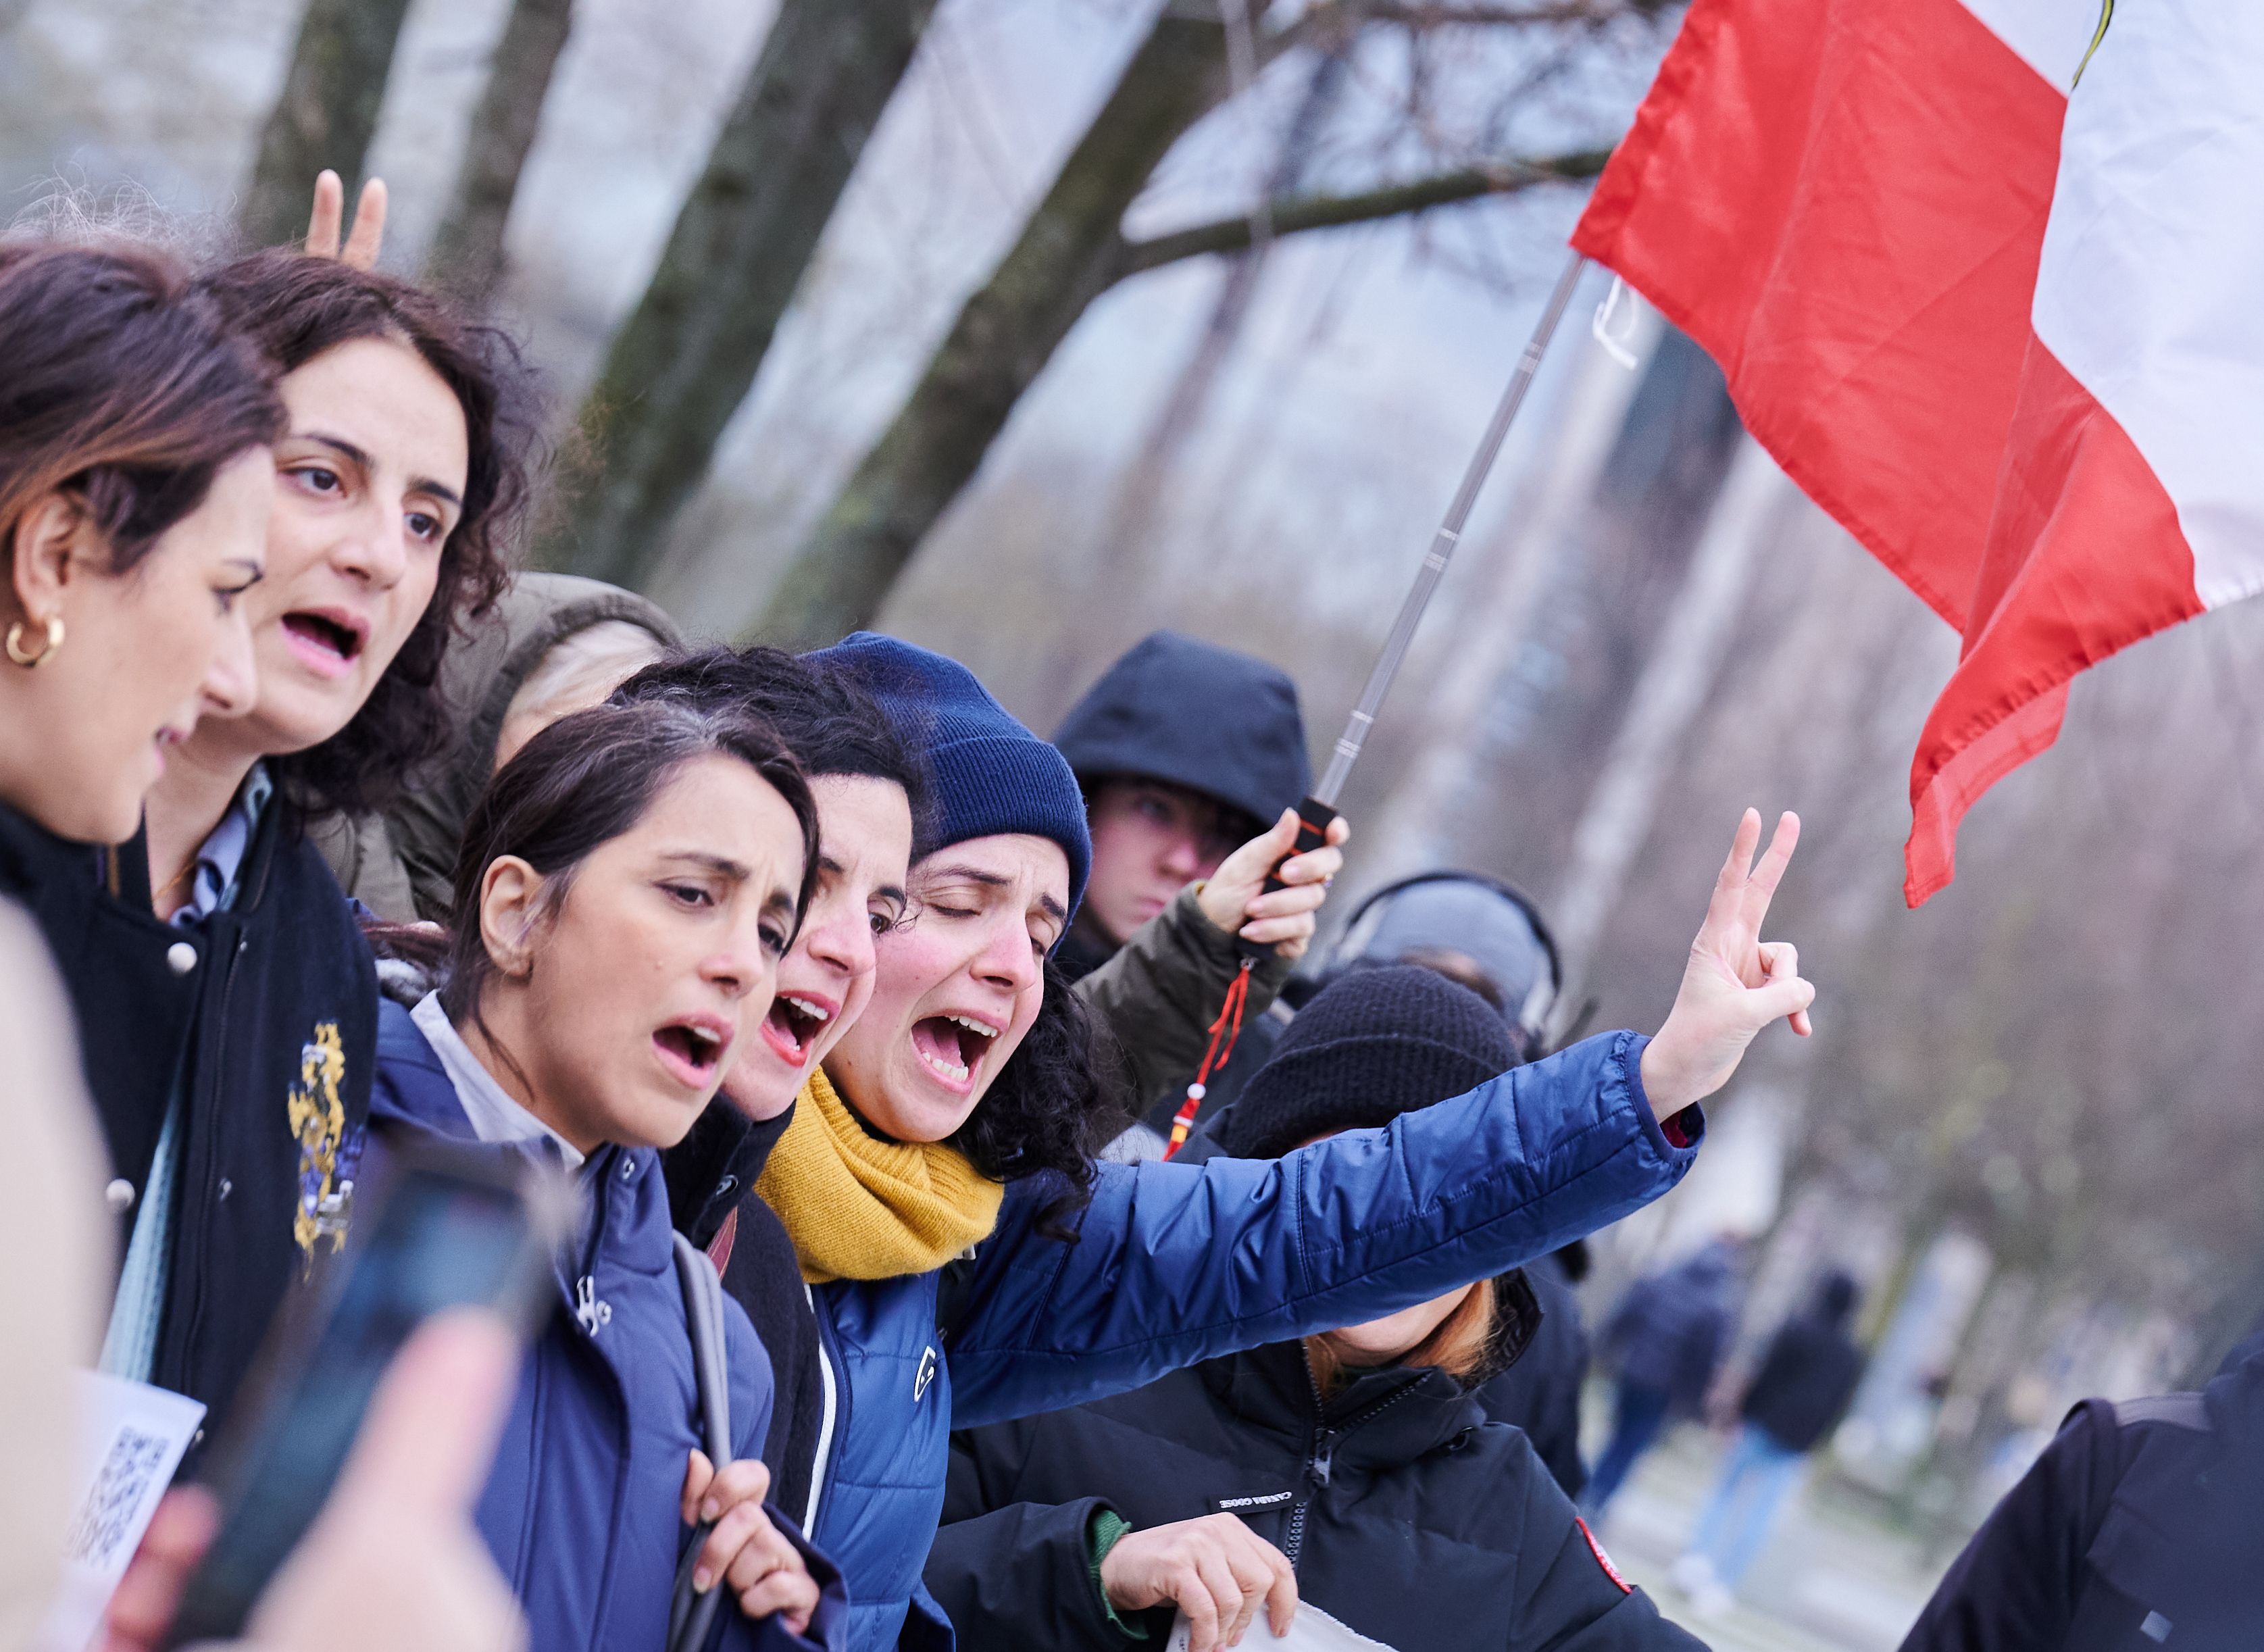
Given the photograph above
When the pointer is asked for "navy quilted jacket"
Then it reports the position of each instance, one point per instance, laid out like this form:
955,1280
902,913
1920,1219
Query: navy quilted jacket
1178,1263
582,1510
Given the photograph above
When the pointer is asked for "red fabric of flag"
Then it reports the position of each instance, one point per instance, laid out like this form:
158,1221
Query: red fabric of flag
1844,202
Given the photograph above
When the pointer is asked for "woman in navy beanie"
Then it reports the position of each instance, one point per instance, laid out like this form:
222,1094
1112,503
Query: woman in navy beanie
968,1263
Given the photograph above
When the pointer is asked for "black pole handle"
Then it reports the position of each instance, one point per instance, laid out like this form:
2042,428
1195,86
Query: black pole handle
1314,819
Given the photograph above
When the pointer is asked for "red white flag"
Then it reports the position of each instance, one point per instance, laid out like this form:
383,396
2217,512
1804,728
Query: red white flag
2012,338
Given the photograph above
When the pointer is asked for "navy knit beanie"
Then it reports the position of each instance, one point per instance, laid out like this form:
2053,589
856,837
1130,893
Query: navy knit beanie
1373,1044
991,777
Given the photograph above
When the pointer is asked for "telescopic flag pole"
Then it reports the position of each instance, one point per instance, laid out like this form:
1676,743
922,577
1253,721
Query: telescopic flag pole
1442,550
1316,812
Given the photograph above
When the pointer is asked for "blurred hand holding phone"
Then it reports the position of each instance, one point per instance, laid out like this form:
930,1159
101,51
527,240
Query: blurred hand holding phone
391,1387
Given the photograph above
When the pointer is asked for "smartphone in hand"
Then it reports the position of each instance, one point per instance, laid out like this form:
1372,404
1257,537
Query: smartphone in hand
453,1227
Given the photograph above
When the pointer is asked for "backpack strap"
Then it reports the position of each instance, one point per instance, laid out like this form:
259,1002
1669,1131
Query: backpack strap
692,1616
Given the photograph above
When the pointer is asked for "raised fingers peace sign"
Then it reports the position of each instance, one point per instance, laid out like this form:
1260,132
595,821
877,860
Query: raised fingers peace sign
1735,983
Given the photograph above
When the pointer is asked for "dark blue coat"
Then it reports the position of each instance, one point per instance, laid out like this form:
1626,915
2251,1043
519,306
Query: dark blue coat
1669,1331
582,1510
1179,1263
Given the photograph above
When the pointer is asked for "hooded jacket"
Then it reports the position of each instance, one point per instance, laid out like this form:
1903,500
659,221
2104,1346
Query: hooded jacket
1406,1514
266,1013
582,1510
1176,1264
1192,714
402,864
1669,1331
1805,1379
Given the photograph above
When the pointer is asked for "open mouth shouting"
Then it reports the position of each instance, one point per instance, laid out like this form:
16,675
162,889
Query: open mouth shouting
794,1023
692,1049
952,1046
326,640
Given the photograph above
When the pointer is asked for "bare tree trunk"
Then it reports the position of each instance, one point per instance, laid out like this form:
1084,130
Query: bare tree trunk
1071,249
326,115
682,363
1070,252
467,255
1667,696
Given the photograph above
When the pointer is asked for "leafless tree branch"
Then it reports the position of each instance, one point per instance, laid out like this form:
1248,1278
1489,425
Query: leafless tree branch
1329,212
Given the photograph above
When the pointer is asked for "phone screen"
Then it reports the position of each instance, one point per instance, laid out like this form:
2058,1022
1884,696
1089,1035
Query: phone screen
443,1237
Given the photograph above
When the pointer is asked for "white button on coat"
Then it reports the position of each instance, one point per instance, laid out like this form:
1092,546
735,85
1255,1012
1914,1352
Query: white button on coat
180,957
119,1195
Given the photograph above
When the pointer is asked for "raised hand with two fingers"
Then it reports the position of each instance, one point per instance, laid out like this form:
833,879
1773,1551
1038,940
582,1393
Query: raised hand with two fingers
326,237
1735,983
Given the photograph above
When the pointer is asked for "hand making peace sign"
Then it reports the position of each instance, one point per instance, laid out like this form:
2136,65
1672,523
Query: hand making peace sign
1735,983
326,223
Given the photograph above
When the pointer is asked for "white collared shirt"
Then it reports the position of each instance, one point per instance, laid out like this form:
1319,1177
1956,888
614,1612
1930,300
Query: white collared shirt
494,1116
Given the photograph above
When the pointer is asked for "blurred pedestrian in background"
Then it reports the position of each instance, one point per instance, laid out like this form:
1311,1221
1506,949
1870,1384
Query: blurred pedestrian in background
1791,1407
1666,1338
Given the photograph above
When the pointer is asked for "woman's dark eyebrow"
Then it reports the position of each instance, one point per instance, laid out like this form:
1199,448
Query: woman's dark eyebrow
360,456
1053,909
337,443
971,874
894,892
721,865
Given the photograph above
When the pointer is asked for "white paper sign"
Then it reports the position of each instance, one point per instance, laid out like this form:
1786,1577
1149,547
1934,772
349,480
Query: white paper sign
1312,1630
131,1438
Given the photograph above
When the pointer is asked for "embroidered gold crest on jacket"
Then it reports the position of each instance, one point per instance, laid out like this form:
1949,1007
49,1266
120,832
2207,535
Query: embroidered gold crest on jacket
318,1121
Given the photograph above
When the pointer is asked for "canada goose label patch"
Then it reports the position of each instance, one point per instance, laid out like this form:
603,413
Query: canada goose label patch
1602,1558
1249,1502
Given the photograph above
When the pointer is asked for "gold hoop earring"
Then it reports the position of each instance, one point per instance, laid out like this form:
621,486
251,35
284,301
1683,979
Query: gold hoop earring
32,662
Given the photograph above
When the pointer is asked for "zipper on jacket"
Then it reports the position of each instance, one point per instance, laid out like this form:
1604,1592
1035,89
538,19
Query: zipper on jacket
829,1402
1320,1460
590,1310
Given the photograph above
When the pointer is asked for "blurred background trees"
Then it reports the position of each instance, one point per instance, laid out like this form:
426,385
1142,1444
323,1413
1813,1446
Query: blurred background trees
1024,326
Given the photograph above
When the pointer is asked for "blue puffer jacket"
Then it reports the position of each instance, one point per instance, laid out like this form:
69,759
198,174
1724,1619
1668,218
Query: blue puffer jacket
582,1510
1179,1263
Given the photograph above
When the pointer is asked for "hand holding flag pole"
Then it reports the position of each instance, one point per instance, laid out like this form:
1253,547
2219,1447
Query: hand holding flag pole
1316,812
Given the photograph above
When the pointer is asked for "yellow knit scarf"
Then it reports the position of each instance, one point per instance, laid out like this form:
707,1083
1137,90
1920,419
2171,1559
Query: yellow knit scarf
861,1208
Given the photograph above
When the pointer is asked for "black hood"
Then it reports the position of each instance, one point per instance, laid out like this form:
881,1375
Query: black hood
1196,715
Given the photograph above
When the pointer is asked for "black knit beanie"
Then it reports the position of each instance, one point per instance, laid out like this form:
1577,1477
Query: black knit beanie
1372,1045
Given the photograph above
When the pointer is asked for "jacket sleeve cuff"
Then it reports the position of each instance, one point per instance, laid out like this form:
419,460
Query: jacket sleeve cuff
1671,1137
1101,1536
829,1624
1223,951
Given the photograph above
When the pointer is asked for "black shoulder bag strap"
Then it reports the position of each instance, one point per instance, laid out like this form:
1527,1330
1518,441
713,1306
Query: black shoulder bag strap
691,1616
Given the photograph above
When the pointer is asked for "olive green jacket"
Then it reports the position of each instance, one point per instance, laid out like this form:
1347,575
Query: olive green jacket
1162,990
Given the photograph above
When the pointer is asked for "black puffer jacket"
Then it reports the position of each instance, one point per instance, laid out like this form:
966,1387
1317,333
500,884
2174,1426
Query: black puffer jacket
272,1005
1408,1516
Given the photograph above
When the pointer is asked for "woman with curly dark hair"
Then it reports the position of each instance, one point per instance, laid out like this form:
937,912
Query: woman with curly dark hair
968,1263
399,477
